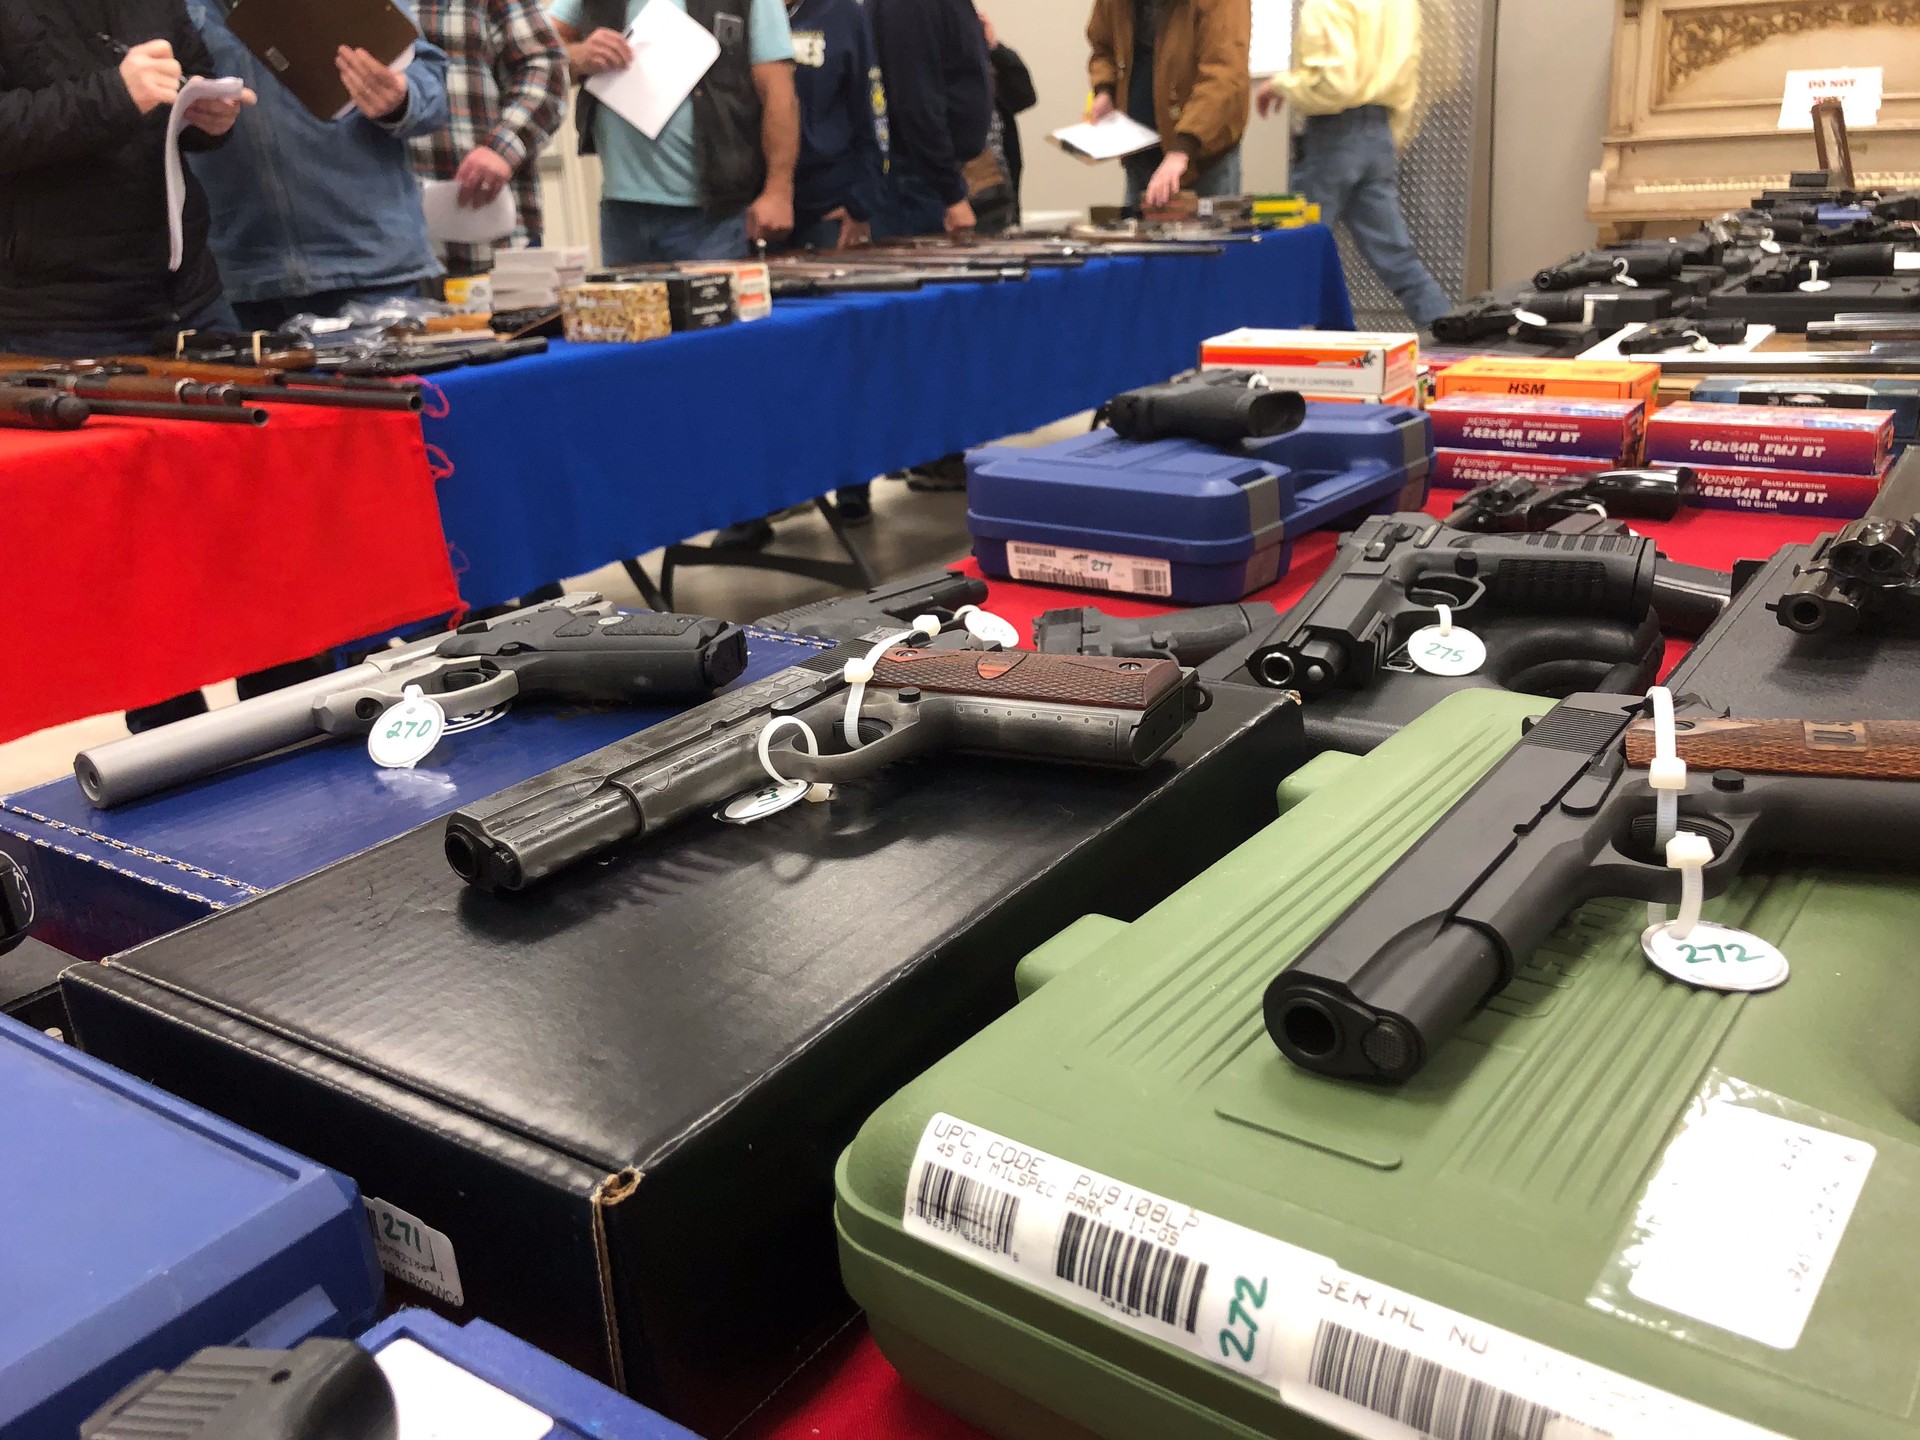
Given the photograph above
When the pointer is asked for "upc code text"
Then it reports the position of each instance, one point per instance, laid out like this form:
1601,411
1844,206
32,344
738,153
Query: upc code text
1132,1274
1435,1400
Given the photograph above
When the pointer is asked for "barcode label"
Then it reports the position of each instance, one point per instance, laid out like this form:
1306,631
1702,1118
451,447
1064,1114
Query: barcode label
1361,1357
978,1214
1089,569
1433,1399
1135,1275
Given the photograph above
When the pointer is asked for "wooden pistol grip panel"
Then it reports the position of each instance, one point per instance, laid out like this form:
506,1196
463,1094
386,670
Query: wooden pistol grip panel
1108,682
1863,749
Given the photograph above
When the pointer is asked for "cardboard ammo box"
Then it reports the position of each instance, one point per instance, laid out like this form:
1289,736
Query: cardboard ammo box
618,1095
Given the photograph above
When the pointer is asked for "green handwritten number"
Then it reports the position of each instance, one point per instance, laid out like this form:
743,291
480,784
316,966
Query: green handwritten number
1245,1294
1731,953
1437,651
393,730
1739,955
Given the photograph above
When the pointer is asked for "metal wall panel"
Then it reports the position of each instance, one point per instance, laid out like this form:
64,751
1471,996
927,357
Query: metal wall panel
1445,175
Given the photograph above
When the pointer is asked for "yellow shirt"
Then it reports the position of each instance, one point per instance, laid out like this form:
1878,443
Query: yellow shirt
1350,53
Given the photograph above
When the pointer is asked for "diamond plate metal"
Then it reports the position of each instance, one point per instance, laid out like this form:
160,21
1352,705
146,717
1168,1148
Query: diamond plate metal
1437,173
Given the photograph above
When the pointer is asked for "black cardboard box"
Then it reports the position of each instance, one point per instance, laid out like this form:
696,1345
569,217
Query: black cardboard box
620,1096
694,301
1750,664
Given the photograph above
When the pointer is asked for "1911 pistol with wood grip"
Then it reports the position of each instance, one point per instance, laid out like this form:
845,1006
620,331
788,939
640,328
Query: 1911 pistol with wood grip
1080,710
1568,816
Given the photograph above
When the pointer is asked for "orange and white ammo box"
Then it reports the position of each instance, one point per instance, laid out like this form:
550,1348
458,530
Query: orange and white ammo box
1353,365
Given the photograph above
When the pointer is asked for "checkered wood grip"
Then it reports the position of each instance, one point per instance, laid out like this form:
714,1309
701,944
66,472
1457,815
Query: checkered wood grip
1029,675
1860,749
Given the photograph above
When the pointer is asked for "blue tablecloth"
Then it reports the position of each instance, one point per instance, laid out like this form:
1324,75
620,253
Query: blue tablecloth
592,453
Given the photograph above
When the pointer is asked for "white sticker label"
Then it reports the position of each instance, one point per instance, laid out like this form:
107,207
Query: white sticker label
406,734
1716,957
1457,652
1741,1222
1906,260
437,1400
1365,1358
1089,569
415,1252
991,629
770,799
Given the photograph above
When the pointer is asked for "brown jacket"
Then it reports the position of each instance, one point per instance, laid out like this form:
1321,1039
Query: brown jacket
1202,85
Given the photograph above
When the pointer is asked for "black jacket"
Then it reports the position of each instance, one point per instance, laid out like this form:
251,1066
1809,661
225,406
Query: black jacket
1013,95
83,191
933,55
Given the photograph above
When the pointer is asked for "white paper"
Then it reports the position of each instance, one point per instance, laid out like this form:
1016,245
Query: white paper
437,1400
450,222
1105,139
1271,52
1856,87
671,51
397,65
1741,1223
195,88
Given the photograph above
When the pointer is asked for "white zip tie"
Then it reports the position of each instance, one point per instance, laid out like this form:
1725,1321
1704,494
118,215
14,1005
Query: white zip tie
1667,777
1690,854
1446,620
815,792
859,673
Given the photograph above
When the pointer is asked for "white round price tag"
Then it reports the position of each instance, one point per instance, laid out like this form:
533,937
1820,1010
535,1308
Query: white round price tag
1716,957
770,799
1447,650
991,629
407,733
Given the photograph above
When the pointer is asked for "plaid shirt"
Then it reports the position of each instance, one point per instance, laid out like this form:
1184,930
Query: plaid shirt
506,90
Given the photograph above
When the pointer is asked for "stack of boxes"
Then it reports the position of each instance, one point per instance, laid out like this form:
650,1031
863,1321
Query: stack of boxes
1341,365
1787,461
532,279
1497,419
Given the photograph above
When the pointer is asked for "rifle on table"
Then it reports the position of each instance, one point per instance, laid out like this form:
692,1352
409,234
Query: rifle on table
194,383
43,402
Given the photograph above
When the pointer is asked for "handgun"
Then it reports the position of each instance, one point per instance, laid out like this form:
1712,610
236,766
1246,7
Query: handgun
1517,504
884,609
1391,573
1018,703
1190,637
1598,267
1684,333
1568,816
577,647
1215,407
1868,572
16,904
321,1390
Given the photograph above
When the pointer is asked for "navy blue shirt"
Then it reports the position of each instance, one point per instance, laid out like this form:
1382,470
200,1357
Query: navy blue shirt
939,96
842,106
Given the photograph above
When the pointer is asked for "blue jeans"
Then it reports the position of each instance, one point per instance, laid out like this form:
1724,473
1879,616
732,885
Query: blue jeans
632,233
1222,177
272,314
90,344
912,207
1348,166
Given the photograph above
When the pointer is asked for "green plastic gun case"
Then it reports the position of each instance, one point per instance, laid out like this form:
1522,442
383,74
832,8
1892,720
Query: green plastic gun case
1613,1205
614,1100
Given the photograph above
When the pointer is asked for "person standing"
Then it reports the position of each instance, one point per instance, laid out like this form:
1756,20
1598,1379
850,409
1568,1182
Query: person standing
310,215
506,96
1357,84
840,180
720,175
1013,95
933,55
1180,68
85,91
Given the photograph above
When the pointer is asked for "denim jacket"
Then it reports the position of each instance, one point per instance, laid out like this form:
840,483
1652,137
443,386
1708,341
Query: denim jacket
302,206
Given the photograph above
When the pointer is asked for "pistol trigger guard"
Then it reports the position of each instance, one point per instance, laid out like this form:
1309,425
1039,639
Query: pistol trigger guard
913,733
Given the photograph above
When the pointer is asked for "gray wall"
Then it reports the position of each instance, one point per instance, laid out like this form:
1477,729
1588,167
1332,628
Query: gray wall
1051,36
1551,73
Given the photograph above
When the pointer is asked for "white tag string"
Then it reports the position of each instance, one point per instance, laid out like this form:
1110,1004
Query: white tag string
859,673
1667,776
1446,620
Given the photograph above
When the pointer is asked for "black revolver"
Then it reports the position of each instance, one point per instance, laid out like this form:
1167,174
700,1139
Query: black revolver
1868,572
575,648
1394,569
1565,818
1075,709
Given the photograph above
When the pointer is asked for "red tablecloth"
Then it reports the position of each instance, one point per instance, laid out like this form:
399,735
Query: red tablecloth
851,1390
144,558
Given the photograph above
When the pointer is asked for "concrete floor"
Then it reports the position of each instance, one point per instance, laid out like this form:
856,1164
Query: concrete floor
910,531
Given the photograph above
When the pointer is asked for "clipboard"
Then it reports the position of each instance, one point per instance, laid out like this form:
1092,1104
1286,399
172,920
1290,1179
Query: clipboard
297,40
